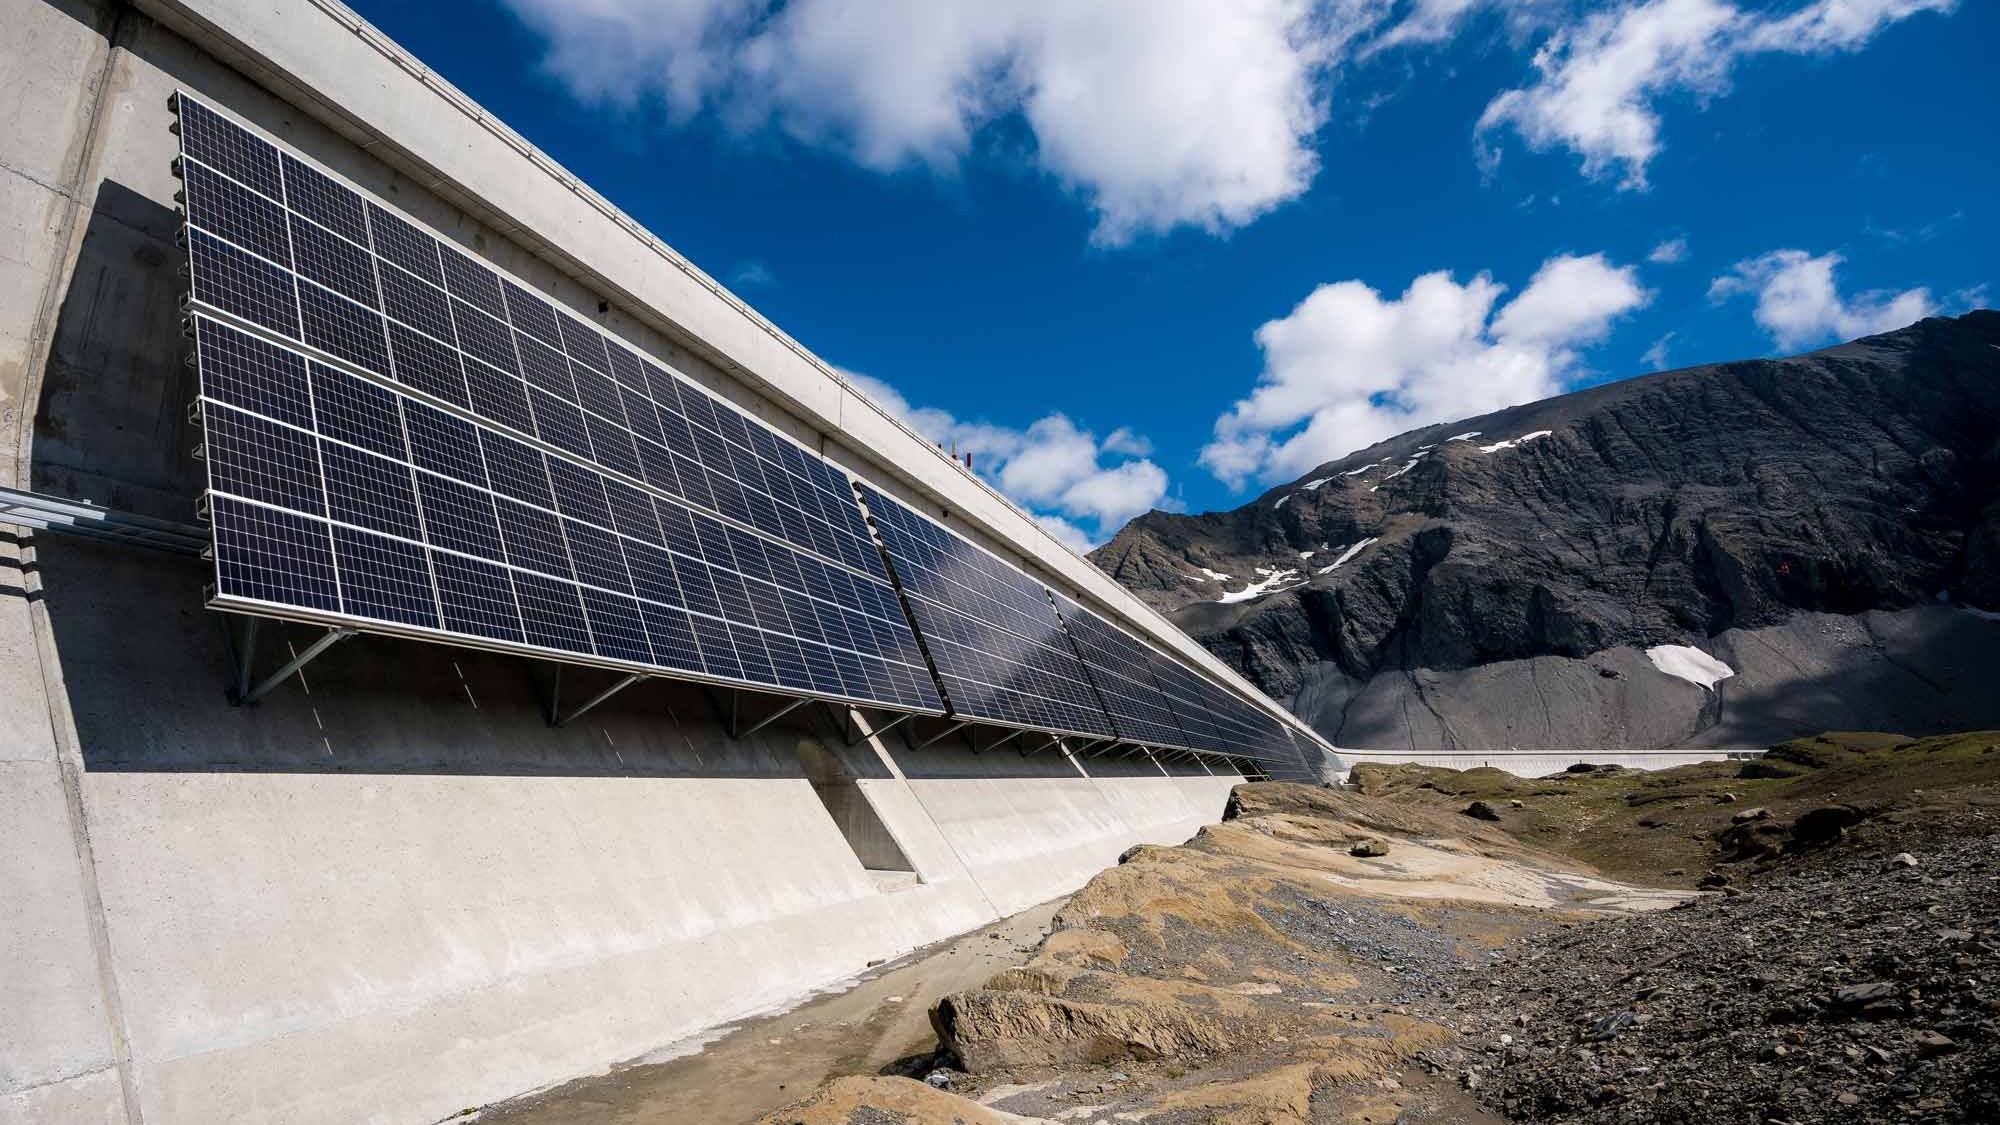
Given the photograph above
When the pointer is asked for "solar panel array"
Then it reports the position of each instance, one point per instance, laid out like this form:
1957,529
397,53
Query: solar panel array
1121,670
401,437
992,635
1004,645
1215,718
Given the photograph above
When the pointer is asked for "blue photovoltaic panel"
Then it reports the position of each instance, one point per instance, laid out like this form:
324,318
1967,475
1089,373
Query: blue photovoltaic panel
1219,720
1121,670
991,631
399,436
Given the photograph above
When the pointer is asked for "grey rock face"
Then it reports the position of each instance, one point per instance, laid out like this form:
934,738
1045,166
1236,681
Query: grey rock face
1707,506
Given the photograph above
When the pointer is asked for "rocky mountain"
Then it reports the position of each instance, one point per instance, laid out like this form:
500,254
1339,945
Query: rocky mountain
1824,529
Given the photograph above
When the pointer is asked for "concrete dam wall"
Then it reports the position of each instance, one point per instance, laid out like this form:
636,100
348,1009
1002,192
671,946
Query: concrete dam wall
391,890
395,891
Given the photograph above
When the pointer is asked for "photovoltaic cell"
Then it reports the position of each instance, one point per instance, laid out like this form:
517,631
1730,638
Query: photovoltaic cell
356,411
267,555
237,214
477,598
531,314
340,327
398,240
415,302
444,443
431,367
384,579
318,197
258,459
238,282
252,375
334,262
228,148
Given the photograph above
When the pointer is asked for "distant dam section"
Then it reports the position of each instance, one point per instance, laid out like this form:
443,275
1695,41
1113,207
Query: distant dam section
414,877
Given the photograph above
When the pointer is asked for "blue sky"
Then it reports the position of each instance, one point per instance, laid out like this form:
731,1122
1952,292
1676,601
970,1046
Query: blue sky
1166,253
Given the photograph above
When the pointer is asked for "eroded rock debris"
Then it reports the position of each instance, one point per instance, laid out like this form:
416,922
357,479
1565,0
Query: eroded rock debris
1274,971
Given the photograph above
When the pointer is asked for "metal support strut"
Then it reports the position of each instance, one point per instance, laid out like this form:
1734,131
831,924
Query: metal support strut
771,718
326,641
941,735
1055,741
607,693
1002,742
852,730
246,656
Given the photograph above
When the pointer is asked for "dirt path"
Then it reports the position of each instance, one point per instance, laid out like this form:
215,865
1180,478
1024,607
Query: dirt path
761,1064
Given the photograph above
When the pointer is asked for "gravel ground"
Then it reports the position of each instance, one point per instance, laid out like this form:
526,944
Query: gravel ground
1400,959
1845,987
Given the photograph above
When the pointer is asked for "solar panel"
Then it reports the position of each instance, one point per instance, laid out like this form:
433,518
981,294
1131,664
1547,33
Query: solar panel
990,630
1120,669
401,439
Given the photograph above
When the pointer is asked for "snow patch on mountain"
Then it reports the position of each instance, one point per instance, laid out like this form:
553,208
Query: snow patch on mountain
1271,584
1345,556
1512,442
1690,664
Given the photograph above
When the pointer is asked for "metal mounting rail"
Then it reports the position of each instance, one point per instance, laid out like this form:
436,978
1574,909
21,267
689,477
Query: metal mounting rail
79,517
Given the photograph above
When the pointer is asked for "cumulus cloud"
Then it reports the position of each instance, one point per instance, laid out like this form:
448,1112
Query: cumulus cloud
1599,81
1348,367
1799,304
1081,488
1161,113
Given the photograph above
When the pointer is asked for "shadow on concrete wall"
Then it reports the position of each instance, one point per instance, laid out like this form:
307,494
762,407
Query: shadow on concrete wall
147,667
112,422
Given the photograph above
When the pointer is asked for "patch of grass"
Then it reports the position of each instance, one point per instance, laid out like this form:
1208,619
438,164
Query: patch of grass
1660,827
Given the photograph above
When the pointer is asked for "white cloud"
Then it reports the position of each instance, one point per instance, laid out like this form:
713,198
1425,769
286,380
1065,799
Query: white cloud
1656,356
1066,533
1347,367
1668,252
1080,488
1427,21
1600,79
1123,440
1160,113
1798,302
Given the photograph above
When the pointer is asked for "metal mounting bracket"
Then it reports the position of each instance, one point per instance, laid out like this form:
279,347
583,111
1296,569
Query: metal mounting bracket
244,694
941,735
852,730
556,720
732,715
770,718
1000,742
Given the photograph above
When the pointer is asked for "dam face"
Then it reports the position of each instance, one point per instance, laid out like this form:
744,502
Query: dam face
391,889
